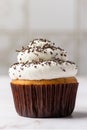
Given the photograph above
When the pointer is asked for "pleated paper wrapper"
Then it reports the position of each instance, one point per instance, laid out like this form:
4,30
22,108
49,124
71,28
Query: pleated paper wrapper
44,100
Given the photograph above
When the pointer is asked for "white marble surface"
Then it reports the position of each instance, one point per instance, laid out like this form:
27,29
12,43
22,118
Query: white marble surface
10,120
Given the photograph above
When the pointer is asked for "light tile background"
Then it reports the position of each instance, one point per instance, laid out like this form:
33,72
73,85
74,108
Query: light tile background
62,21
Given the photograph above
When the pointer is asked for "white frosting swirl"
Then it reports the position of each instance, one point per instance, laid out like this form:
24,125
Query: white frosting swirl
41,49
41,59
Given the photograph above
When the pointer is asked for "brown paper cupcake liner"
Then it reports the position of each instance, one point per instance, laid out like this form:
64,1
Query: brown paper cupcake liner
44,100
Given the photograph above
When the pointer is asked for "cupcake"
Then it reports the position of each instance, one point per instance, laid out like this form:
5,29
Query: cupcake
43,81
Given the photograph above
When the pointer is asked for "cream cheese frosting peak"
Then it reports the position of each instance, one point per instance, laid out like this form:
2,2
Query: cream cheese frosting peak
41,59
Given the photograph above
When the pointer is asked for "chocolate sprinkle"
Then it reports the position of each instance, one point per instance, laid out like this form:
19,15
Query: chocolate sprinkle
14,68
49,63
20,59
60,49
49,46
64,70
70,62
24,63
51,52
44,40
33,50
14,64
65,55
61,54
17,51
22,68
35,66
45,52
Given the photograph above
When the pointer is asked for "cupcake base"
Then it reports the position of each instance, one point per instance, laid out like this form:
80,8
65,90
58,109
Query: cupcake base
52,100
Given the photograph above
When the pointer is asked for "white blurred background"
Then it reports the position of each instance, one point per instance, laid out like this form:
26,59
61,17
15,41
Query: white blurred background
61,21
